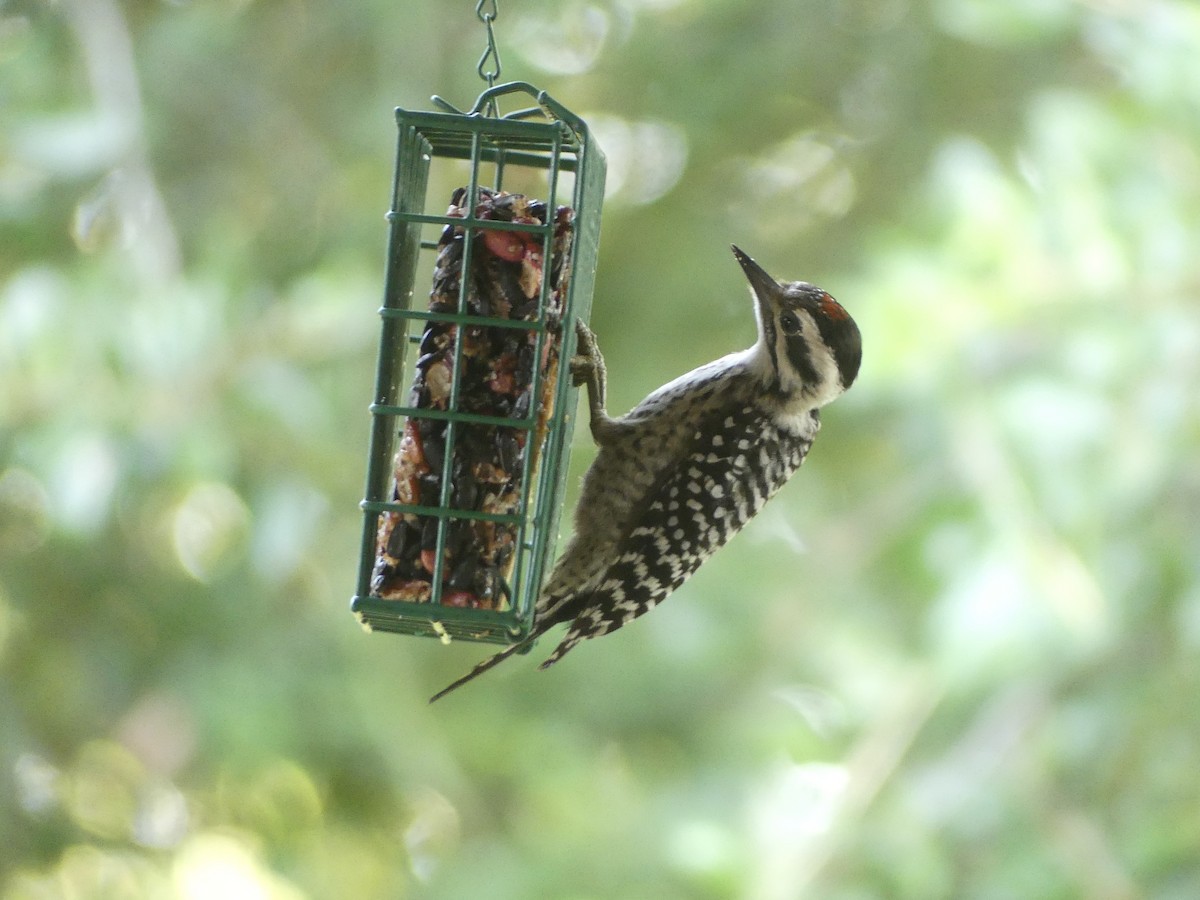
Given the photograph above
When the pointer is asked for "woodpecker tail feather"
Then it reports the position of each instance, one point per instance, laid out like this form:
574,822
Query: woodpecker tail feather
549,613
588,624
488,663
561,650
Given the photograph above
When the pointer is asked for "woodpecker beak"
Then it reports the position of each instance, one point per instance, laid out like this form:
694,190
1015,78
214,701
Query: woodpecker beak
764,286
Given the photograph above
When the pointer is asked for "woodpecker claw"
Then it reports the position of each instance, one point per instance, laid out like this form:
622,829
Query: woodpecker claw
581,370
585,362
587,370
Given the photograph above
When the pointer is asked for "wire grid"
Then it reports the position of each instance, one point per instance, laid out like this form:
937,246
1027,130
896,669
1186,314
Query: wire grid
558,142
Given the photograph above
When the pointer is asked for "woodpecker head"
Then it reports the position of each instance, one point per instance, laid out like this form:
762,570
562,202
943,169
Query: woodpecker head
810,345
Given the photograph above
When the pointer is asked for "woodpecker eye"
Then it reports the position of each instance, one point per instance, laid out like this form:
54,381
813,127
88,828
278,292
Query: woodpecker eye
789,322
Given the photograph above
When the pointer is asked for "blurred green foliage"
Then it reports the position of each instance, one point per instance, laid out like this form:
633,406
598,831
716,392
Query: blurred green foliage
957,657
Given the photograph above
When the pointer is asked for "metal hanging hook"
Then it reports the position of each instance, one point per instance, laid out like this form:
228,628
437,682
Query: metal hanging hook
489,63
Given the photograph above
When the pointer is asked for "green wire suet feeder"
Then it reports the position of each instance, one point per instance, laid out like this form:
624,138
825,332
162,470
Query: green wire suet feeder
471,432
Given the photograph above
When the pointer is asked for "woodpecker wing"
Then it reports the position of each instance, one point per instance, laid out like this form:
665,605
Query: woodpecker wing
737,462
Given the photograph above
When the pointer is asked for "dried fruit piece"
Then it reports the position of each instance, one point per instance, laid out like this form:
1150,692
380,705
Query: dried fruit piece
508,245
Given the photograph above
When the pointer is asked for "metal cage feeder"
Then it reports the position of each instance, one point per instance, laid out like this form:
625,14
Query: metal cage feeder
450,548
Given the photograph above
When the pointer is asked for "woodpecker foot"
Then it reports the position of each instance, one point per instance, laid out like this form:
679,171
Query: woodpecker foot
587,370
587,361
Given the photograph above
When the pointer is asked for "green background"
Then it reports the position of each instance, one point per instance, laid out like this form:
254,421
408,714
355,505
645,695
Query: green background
956,657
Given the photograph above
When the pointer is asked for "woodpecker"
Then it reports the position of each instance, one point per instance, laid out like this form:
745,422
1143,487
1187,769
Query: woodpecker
682,472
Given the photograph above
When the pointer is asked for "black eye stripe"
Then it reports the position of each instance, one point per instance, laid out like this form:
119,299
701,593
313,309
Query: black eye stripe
769,340
801,361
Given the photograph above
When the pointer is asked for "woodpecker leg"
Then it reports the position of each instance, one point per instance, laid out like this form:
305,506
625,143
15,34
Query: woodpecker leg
587,370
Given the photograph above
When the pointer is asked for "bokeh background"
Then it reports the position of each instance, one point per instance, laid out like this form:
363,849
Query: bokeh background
958,656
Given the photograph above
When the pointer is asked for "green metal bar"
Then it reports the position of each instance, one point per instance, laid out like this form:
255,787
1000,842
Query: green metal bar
403,248
588,194
514,158
460,319
486,625
469,222
530,547
438,575
464,280
559,113
434,125
494,92
447,416
440,512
